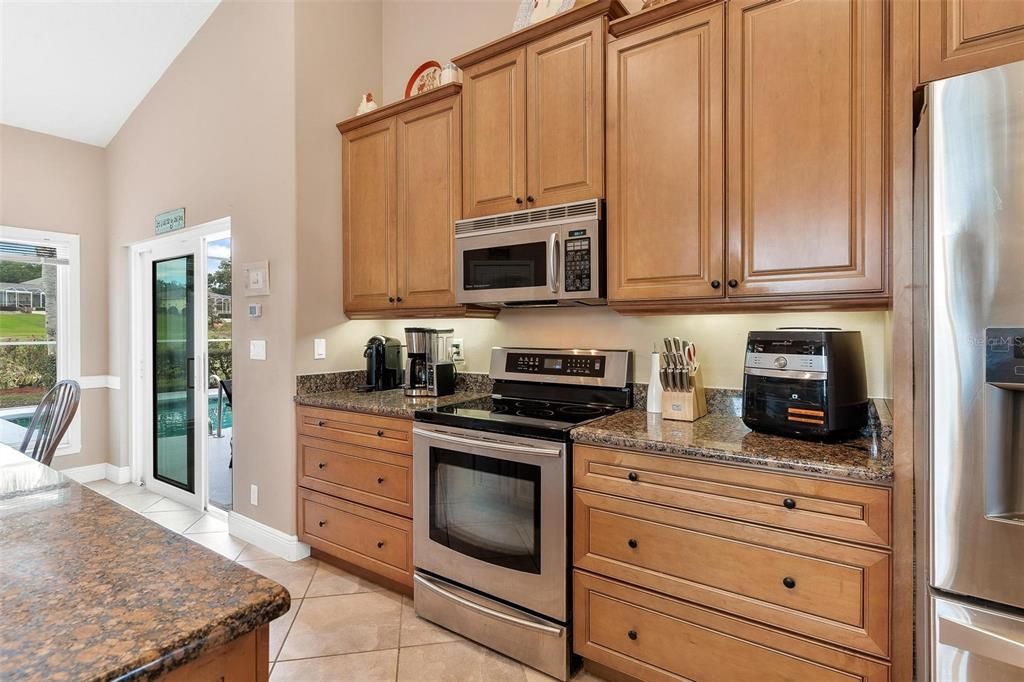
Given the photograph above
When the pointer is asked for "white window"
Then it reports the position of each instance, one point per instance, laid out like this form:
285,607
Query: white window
40,326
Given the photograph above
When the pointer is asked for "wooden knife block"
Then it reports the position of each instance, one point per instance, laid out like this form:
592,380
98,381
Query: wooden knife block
687,406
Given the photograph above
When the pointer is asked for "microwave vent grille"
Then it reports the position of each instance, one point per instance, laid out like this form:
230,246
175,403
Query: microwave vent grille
577,211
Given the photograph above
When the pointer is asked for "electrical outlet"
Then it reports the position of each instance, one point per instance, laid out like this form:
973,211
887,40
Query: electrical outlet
458,354
254,495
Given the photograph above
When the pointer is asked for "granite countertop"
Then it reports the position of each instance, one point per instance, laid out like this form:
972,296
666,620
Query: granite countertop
724,438
94,591
391,403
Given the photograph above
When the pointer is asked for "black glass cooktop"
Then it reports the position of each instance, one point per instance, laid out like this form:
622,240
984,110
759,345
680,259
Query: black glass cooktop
537,418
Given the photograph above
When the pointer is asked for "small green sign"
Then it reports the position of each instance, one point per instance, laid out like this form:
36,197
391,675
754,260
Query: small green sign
169,221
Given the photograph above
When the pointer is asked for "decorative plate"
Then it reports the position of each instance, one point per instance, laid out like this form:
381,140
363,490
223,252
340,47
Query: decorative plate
426,77
532,11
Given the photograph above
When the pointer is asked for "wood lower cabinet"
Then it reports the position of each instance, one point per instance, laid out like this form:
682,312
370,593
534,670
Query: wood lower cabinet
354,473
246,659
666,149
805,181
533,114
960,36
401,193
682,567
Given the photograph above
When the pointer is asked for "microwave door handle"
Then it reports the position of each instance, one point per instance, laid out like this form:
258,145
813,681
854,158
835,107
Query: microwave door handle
490,444
553,262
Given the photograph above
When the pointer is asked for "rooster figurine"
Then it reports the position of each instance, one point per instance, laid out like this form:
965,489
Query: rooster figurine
367,104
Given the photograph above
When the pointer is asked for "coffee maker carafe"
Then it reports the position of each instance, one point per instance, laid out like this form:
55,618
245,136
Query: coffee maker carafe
383,363
429,370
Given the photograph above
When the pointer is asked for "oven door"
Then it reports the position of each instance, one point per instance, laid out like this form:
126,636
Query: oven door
508,266
490,514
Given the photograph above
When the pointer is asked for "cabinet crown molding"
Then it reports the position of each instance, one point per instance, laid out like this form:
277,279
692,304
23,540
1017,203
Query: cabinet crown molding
403,105
654,15
612,8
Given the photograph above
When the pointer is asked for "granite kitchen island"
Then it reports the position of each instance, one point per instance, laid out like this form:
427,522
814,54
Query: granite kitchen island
93,591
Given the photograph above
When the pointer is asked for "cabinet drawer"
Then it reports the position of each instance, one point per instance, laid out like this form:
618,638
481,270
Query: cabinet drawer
819,588
372,539
858,513
383,433
652,637
380,479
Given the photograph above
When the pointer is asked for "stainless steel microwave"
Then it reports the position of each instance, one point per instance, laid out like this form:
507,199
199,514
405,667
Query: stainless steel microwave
541,257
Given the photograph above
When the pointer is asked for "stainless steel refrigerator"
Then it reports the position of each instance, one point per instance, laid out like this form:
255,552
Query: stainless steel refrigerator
969,192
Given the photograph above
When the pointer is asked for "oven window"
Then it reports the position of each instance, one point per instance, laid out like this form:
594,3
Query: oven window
505,267
486,508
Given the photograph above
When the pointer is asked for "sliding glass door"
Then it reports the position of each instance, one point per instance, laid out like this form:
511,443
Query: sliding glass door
174,372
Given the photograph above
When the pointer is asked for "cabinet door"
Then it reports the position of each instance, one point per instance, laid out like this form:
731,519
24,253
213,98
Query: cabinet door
494,135
565,115
805,181
429,203
959,36
368,215
666,151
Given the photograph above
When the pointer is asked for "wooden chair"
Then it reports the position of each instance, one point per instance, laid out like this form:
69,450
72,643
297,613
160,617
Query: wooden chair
51,420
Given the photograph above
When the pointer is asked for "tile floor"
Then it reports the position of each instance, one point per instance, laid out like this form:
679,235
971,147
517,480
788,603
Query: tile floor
340,627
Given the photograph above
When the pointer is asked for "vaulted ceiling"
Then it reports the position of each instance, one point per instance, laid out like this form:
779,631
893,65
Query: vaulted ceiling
77,69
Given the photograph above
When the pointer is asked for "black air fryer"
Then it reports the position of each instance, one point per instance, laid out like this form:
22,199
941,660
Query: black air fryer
383,364
807,383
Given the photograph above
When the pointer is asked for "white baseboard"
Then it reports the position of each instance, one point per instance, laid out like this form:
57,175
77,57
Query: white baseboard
99,381
86,474
98,472
267,538
118,475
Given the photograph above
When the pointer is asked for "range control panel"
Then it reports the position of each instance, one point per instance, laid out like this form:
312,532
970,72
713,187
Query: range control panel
1004,357
556,364
578,261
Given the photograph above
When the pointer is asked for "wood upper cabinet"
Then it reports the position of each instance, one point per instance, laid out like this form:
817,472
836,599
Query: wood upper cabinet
533,114
565,115
429,203
666,148
805,181
494,132
368,215
960,36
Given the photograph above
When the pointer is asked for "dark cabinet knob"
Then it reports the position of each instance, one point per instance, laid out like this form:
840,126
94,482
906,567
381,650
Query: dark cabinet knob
733,283
519,200
322,465
715,284
789,503
391,299
380,544
380,433
530,198
632,543
321,423
632,476
380,480
399,299
789,582
323,523
632,634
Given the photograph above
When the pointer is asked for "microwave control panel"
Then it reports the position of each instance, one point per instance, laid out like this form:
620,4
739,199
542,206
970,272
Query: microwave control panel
556,364
578,267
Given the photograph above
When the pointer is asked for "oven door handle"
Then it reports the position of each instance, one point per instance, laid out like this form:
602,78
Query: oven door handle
553,262
493,445
497,615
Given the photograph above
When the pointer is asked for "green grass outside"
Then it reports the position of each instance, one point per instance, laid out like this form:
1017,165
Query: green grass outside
22,326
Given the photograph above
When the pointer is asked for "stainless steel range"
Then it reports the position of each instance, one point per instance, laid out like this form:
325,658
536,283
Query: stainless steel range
491,500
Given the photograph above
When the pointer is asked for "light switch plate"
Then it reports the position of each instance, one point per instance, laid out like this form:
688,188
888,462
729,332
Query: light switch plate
257,349
319,349
254,495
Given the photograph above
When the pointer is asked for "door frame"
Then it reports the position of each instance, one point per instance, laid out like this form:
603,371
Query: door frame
140,442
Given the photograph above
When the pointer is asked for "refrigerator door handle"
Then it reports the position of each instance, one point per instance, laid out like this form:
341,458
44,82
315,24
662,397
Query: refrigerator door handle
976,640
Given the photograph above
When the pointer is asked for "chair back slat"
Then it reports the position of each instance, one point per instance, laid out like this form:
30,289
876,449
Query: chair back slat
51,420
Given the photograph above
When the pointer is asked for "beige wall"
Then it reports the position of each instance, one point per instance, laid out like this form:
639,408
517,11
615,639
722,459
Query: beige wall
49,183
337,60
217,136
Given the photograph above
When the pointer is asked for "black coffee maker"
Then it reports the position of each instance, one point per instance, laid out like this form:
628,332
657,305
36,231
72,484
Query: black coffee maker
383,364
